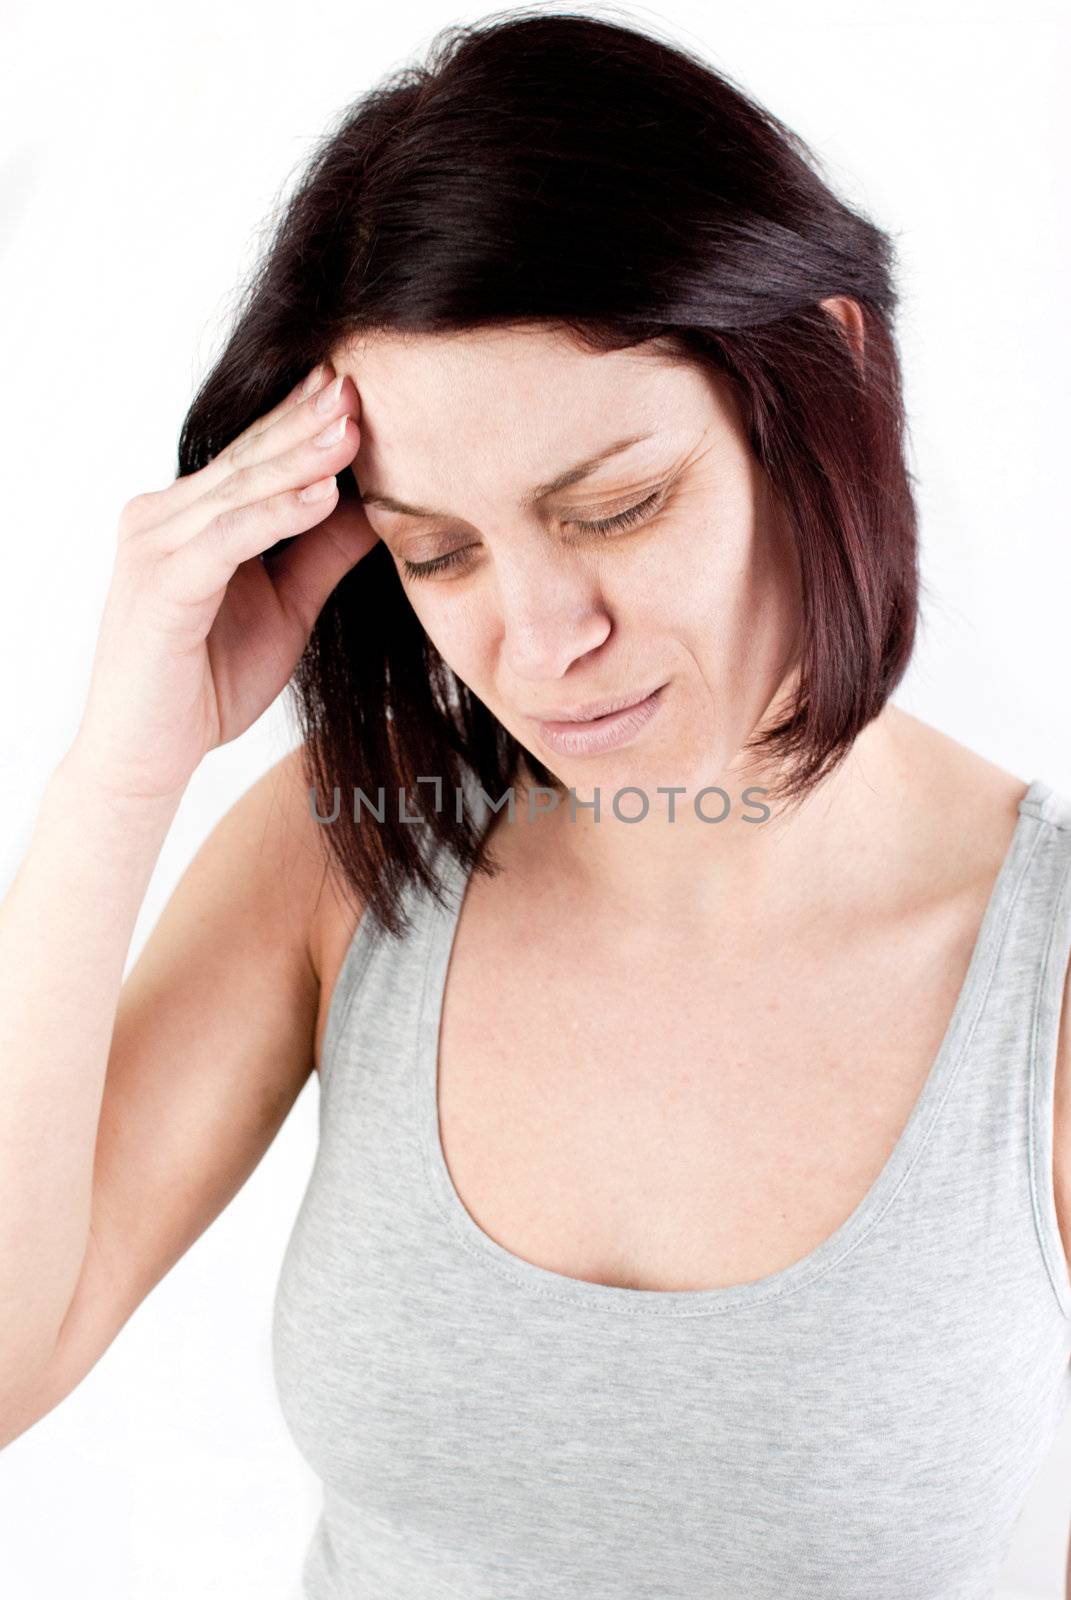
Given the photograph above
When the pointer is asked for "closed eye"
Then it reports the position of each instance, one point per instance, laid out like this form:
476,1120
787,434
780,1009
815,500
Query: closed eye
602,527
624,519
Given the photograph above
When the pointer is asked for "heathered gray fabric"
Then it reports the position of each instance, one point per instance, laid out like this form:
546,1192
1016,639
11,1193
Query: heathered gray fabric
864,1425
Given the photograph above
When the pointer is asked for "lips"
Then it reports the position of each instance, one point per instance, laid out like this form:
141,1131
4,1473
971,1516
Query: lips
596,708
596,735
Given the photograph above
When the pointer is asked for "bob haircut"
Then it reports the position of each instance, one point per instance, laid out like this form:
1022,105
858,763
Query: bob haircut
694,218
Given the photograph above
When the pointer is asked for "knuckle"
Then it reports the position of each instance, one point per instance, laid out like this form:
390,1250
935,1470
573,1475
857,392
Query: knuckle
226,491
223,523
138,512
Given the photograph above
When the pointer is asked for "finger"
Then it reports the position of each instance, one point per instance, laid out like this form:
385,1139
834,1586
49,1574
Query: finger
253,439
307,389
282,461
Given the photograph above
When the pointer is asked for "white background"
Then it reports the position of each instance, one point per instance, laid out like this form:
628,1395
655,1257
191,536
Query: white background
143,148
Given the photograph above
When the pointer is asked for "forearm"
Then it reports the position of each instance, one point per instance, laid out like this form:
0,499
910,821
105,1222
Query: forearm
66,923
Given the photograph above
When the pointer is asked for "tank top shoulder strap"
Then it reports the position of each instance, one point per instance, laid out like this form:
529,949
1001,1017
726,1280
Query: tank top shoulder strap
1044,947
990,1158
1047,804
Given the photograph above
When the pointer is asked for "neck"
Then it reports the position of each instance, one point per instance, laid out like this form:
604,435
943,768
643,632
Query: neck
674,871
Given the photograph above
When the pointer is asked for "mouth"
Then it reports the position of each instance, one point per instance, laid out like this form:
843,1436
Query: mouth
596,735
595,710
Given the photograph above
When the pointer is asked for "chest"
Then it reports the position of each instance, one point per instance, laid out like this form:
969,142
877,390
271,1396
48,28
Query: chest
681,1117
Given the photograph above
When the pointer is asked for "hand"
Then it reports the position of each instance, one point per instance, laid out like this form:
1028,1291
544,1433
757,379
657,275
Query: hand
199,635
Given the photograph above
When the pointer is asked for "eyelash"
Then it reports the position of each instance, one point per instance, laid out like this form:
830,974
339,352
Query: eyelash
602,528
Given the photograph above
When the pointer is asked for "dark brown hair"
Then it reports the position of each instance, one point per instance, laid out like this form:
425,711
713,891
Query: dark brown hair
440,203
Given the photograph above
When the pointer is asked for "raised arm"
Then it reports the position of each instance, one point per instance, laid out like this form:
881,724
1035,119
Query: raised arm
100,1093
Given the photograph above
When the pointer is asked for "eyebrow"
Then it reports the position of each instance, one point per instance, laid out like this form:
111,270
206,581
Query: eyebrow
563,480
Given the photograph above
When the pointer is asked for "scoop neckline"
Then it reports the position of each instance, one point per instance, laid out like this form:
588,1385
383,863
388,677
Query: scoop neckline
548,1284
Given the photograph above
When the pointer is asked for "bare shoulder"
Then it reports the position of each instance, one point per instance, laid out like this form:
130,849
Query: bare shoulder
964,810
306,875
334,913
967,797
271,835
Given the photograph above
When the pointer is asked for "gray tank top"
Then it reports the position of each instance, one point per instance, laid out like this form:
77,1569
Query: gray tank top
862,1425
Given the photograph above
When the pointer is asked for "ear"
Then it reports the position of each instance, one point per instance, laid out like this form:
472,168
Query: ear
850,317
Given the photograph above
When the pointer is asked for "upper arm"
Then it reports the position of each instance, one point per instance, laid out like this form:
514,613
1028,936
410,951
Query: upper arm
213,1040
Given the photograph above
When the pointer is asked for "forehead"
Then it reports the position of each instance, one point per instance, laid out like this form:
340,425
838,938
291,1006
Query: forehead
519,399
534,367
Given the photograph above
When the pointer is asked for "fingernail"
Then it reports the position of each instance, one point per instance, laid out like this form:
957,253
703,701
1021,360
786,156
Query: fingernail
329,397
332,433
314,380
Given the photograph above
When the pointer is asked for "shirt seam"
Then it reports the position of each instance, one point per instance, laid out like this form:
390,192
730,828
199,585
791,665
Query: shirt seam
1040,1120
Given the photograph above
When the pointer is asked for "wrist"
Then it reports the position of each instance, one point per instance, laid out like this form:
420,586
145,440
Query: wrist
82,778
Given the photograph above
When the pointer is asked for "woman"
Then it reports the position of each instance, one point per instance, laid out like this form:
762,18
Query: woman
690,1209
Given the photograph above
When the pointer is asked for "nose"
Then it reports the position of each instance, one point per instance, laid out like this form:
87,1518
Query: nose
552,614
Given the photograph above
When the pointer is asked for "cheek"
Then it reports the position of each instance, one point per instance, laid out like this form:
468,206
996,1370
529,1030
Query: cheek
456,626
691,575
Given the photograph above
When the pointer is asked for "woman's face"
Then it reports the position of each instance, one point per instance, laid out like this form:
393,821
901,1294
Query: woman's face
540,614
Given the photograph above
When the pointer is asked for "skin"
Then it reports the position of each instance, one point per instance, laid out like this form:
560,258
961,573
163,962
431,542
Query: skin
538,614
